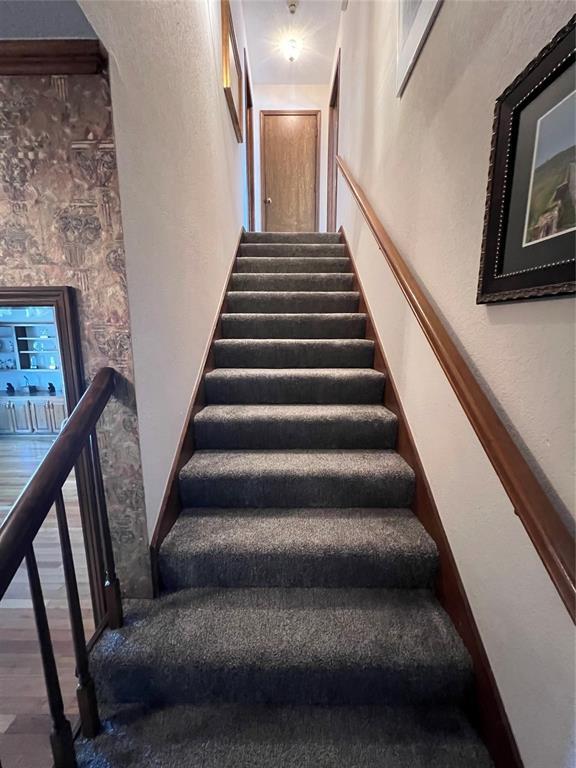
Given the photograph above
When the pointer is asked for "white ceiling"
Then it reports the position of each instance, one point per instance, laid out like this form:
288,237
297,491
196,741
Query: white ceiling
269,23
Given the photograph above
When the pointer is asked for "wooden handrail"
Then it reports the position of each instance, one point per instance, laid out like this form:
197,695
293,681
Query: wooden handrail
550,536
32,506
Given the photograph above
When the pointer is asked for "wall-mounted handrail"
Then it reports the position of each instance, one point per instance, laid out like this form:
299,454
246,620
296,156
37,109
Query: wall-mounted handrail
17,534
551,538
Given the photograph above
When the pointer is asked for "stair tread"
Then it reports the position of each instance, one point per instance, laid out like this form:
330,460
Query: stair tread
297,463
298,412
376,531
248,644
297,282
291,237
305,353
236,736
289,264
298,373
270,250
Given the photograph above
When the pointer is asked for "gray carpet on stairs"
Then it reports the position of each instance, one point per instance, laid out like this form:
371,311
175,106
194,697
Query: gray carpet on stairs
342,325
292,301
296,385
294,426
241,736
284,646
298,626
298,548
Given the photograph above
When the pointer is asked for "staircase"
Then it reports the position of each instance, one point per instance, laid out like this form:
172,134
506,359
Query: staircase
298,625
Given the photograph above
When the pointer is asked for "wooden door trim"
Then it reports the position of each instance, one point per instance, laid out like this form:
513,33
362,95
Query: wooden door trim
333,129
485,707
64,301
249,146
52,57
266,112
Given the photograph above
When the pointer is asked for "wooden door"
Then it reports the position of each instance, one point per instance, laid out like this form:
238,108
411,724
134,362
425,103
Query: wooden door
6,420
289,160
22,416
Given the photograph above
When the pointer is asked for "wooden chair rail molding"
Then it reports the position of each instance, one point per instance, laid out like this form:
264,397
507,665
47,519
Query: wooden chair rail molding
551,538
30,509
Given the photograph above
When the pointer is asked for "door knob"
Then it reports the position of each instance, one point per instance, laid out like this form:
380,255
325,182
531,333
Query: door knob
268,201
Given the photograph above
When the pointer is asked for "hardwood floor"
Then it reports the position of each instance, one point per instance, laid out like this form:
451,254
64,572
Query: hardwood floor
24,714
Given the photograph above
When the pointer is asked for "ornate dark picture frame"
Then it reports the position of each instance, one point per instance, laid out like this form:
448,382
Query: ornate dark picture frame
232,77
557,276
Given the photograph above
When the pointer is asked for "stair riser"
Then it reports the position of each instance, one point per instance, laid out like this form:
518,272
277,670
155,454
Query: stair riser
291,237
230,569
254,301
296,491
291,391
329,281
285,433
292,250
306,685
319,354
293,326
246,265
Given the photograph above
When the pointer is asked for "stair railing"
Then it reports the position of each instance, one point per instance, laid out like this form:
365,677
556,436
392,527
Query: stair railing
550,536
42,492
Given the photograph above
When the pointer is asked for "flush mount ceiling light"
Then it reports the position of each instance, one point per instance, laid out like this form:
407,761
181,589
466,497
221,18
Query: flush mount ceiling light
291,48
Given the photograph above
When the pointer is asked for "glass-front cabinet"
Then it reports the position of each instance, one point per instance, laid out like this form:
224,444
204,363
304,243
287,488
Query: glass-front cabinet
32,398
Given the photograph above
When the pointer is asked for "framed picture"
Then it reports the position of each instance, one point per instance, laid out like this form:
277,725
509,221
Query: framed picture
529,243
415,19
231,70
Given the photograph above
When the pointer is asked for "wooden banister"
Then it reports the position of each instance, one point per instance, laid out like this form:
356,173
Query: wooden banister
30,509
551,538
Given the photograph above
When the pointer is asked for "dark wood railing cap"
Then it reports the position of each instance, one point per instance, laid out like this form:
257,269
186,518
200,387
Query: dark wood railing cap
542,521
30,509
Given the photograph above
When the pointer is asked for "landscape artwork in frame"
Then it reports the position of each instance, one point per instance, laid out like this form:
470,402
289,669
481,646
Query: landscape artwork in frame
529,244
232,79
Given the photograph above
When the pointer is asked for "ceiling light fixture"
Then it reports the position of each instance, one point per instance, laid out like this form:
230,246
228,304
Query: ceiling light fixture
292,5
292,47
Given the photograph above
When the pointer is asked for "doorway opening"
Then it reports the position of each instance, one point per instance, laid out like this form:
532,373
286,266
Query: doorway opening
290,170
333,118
41,381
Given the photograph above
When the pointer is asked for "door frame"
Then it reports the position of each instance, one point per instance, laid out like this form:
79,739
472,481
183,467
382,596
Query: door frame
64,301
333,126
263,114
249,147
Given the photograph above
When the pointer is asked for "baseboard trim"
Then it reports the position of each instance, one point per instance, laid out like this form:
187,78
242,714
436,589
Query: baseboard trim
171,506
486,706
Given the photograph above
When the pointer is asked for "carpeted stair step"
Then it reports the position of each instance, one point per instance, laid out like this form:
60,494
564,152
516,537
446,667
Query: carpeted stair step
284,646
294,426
291,237
296,478
293,353
298,548
292,281
292,250
292,301
245,264
294,385
294,326
240,736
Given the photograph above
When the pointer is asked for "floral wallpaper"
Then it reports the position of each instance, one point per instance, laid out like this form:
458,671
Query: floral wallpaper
60,224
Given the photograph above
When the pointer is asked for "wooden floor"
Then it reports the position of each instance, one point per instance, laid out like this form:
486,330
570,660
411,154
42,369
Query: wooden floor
24,718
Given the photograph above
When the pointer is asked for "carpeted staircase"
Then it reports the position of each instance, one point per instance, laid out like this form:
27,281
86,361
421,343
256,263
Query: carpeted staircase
298,626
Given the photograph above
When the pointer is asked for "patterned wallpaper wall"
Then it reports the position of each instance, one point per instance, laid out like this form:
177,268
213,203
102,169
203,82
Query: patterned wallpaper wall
60,224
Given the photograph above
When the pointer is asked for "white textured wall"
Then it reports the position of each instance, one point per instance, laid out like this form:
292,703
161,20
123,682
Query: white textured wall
292,97
423,160
180,170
